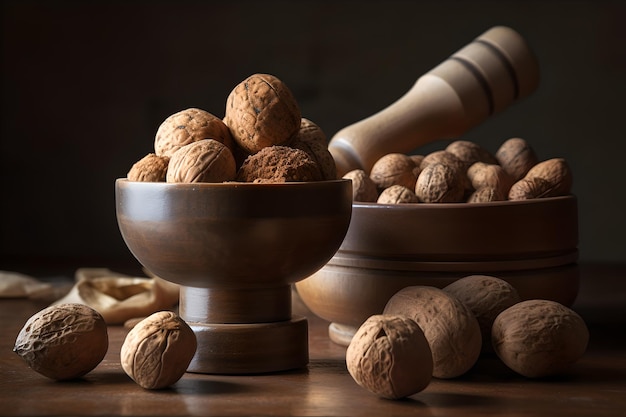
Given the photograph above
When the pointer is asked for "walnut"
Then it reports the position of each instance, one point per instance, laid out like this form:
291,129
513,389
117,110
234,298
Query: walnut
557,172
64,341
397,194
187,126
439,183
486,297
311,139
449,325
157,351
279,164
486,195
261,111
538,338
203,161
529,188
442,157
150,168
393,169
469,152
363,188
390,357
483,175
516,156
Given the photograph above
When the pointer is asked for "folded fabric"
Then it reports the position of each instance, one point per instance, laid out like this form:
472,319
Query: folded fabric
119,297
17,285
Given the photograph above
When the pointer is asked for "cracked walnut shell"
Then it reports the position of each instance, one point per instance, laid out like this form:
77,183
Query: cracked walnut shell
279,164
64,341
261,111
390,357
157,351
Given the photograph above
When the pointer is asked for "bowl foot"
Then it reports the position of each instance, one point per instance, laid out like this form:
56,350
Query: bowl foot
341,334
244,331
250,348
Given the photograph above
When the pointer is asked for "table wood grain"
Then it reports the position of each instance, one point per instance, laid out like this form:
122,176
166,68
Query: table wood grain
595,386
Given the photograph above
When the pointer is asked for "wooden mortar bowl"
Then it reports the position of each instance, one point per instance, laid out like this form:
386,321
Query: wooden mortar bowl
235,249
532,244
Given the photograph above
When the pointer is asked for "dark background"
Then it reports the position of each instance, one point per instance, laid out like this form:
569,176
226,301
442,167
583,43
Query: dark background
86,84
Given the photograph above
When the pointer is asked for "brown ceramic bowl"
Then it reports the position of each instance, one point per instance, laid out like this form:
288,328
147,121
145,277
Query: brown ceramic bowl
235,249
532,244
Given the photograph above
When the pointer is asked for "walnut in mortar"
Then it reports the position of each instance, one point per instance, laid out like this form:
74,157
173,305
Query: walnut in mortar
311,139
150,168
538,338
363,188
449,159
450,327
63,341
279,164
486,195
187,126
203,161
397,194
262,111
393,169
483,175
529,188
439,183
486,297
390,357
470,152
157,351
557,172
516,156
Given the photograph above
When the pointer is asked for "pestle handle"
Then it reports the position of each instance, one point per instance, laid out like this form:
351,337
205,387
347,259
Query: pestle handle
484,77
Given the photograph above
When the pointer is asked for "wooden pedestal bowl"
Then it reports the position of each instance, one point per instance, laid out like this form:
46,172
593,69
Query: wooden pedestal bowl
532,244
236,249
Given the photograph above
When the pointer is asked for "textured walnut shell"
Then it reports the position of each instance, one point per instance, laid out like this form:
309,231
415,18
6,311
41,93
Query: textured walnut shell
150,168
439,183
311,139
397,194
486,195
390,357
363,188
486,297
64,341
483,175
538,338
516,156
188,126
279,164
261,111
557,172
470,152
157,351
529,188
393,169
202,161
450,327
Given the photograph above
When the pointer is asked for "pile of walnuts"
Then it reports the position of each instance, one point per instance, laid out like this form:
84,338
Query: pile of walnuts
474,315
262,138
463,172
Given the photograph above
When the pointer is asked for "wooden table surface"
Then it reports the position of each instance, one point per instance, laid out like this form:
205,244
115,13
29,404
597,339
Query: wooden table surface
596,386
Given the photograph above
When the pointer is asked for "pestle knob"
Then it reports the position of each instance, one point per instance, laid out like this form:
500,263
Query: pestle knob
481,79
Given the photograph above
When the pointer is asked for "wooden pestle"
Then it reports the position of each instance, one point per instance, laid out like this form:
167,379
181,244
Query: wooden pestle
482,78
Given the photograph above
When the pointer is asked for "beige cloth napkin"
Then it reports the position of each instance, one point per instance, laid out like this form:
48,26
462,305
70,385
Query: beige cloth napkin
17,285
119,297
